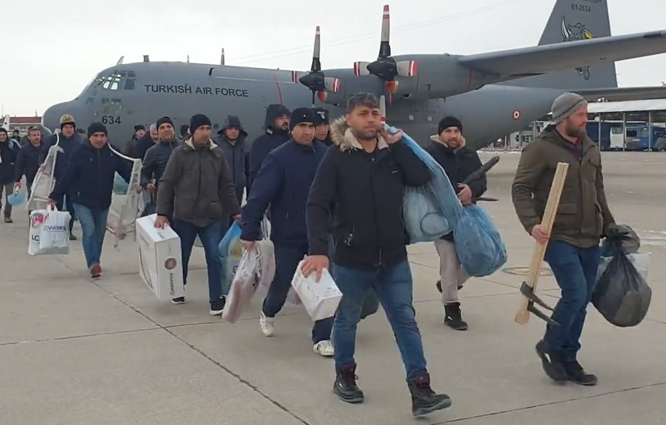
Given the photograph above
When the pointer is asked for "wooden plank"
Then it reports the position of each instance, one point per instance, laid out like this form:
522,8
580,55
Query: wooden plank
547,221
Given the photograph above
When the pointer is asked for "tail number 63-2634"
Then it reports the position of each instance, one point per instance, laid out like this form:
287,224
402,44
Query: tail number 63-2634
110,119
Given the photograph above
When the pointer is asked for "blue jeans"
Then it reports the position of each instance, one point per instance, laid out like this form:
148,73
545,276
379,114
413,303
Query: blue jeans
286,261
210,238
93,227
575,270
394,289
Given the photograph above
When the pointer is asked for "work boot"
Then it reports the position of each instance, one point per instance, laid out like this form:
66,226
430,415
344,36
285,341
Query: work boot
552,363
453,317
424,399
8,219
345,385
577,374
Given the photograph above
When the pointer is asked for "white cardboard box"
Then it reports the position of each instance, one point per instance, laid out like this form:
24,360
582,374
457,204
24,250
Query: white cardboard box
159,259
320,299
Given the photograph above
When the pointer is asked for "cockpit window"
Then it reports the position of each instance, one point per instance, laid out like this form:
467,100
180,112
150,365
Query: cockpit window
111,106
130,82
119,80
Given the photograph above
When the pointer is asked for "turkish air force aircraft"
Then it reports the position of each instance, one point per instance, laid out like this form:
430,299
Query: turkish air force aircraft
493,93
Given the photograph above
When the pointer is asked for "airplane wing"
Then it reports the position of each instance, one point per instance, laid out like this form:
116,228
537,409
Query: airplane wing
555,57
620,94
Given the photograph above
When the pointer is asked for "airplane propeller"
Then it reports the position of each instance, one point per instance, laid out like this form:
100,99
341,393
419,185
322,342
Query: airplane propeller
315,79
385,67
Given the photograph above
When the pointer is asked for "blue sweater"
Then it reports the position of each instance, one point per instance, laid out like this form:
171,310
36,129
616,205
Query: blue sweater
89,176
283,182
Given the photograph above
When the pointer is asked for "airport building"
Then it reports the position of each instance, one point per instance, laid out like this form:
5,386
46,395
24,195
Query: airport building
637,125
22,124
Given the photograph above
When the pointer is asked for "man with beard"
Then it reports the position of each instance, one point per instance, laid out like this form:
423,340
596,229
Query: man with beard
582,218
458,161
362,180
156,158
130,146
277,133
231,139
69,142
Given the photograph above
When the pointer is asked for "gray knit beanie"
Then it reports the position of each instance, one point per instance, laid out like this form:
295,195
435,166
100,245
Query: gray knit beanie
565,105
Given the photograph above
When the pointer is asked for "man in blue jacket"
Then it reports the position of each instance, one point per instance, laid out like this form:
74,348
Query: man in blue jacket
277,133
68,141
284,182
89,178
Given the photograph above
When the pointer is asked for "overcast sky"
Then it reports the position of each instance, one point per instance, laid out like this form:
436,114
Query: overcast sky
52,49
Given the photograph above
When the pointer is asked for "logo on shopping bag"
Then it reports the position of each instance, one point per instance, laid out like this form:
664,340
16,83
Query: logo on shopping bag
170,264
55,228
37,219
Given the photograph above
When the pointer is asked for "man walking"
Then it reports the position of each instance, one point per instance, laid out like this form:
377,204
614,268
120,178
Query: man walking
197,191
27,161
276,125
9,150
283,183
155,160
448,149
69,142
231,139
582,219
89,177
363,179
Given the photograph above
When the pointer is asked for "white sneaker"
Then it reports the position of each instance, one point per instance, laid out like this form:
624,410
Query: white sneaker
324,348
266,324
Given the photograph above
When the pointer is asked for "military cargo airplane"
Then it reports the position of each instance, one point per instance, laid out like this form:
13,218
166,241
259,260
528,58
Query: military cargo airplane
493,93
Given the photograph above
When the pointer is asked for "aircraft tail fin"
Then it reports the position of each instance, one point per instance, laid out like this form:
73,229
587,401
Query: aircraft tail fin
576,20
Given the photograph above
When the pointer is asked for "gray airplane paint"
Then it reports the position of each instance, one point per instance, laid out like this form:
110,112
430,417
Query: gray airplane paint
489,111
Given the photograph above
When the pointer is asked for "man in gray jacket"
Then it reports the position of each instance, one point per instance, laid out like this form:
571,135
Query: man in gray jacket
231,139
196,189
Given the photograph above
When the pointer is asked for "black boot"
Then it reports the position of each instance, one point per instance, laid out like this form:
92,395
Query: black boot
577,374
345,385
552,363
424,399
453,317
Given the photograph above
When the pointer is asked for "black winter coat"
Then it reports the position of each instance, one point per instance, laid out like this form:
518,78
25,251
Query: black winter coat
365,191
8,152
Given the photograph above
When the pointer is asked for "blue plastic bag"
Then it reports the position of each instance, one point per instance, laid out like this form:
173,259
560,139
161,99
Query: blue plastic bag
120,186
231,251
434,210
16,199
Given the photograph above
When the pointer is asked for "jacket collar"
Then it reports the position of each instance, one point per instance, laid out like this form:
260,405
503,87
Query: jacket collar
188,142
551,135
435,138
342,136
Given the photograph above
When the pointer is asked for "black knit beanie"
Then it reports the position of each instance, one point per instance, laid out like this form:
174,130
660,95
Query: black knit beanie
197,121
97,127
163,120
449,121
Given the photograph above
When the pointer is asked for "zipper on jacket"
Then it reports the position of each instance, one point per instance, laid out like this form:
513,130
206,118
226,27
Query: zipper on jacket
372,194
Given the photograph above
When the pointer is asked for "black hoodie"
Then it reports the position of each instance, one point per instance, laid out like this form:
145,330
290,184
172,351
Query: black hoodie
265,143
236,154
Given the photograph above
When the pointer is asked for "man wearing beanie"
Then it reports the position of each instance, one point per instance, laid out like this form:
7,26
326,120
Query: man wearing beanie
583,217
458,161
277,133
322,126
283,183
197,191
131,145
156,159
89,178
359,186
9,150
68,142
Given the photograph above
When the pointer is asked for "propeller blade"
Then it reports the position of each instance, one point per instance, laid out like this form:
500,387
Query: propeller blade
384,46
332,84
361,68
408,68
316,63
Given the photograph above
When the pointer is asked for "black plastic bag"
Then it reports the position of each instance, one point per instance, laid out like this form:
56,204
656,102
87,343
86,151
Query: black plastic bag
622,236
621,295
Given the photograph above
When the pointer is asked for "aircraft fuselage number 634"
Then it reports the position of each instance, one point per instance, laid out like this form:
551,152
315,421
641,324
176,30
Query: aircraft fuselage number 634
110,119
581,7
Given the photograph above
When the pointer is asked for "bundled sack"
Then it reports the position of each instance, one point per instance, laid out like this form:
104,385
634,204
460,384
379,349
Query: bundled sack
231,251
622,294
44,181
120,186
256,267
125,207
49,232
433,210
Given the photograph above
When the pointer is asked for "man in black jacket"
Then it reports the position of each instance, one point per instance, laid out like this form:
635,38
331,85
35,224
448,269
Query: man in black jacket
448,149
27,161
362,180
9,150
155,160
276,125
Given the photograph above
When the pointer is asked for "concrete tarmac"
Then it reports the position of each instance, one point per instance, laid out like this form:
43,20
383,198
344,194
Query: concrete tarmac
75,351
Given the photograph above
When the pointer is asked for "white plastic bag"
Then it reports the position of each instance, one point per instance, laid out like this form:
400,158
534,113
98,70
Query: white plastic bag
320,299
44,181
49,240
256,267
125,208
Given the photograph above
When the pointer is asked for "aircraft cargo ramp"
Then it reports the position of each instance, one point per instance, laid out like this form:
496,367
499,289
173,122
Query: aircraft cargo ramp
78,352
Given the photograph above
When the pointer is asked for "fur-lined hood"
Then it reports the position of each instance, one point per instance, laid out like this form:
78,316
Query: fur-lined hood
343,138
435,138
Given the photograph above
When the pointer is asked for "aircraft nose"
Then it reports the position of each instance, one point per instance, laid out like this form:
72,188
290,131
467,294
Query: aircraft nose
51,117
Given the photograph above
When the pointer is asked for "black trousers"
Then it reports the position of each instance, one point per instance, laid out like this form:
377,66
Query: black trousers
60,204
